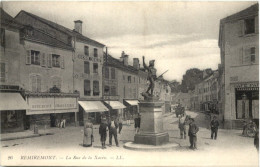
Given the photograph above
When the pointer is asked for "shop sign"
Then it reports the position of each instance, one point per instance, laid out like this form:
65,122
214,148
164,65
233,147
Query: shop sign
41,103
84,57
247,85
65,103
9,87
51,105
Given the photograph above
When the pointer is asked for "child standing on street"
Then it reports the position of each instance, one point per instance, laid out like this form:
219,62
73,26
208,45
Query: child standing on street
214,128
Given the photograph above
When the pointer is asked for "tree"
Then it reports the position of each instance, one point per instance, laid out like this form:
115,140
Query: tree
192,77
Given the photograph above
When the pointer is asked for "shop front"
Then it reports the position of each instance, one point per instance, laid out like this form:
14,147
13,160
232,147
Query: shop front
247,102
12,108
91,109
50,109
115,107
132,107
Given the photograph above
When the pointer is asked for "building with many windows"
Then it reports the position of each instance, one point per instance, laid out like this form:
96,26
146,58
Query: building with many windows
79,58
239,48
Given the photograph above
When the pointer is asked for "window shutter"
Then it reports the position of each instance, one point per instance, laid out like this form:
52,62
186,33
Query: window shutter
256,25
28,57
38,83
241,55
62,62
241,28
33,83
50,60
247,56
43,64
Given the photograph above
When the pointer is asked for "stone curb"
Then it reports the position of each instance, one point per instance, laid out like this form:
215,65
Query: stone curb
23,137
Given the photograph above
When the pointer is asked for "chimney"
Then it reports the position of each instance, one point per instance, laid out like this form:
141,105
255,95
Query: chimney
126,60
122,56
78,26
136,63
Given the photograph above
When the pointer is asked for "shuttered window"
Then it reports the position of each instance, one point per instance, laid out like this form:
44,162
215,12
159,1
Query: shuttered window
86,67
86,88
2,72
95,68
250,26
106,72
95,52
113,73
106,90
49,60
248,56
35,57
86,50
113,91
43,60
56,60
95,88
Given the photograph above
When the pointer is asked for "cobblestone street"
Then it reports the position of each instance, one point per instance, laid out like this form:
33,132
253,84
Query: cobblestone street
68,142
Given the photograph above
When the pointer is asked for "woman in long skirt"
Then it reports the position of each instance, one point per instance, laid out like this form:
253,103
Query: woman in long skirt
88,134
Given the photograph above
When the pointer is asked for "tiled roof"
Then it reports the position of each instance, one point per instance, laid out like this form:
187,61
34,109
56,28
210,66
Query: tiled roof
252,10
111,61
62,29
6,19
43,38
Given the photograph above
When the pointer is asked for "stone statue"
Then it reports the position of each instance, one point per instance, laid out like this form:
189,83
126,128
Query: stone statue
151,77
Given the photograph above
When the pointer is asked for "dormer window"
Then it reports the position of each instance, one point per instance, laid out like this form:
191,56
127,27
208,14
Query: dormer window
250,26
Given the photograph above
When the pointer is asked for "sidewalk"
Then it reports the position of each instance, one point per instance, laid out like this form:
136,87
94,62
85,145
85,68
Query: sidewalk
25,134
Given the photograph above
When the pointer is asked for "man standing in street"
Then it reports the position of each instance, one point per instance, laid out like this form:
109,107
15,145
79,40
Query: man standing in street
182,126
103,131
214,128
113,125
120,122
193,129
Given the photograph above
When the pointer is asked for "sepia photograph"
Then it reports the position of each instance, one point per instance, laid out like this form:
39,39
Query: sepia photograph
129,83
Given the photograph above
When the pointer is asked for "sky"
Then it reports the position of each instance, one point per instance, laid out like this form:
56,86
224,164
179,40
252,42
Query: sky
177,35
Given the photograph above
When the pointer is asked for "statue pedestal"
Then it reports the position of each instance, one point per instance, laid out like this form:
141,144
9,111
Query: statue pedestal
151,128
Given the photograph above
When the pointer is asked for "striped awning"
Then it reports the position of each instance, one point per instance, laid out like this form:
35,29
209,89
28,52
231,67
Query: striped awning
248,89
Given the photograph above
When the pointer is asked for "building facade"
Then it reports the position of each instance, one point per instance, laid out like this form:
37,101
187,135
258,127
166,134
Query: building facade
239,48
13,105
83,66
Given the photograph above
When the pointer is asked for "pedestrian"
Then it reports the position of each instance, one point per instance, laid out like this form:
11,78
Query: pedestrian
112,126
256,141
182,126
103,128
88,134
137,121
128,119
193,129
214,124
120,123
62,122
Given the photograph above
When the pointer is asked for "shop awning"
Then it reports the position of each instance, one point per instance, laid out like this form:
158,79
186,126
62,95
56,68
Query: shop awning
115,104
93,106
12,101
132,102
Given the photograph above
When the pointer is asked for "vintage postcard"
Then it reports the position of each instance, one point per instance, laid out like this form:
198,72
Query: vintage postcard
113,83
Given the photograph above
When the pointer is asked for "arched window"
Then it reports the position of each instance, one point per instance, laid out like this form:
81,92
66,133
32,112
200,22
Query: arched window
56,81
35,83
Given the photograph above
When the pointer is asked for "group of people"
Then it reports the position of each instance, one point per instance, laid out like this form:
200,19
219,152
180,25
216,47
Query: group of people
193,129
110,124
